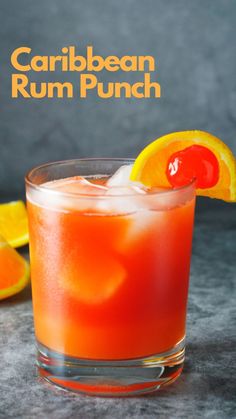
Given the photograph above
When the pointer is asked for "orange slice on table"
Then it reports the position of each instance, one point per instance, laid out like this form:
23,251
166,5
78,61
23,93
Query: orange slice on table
14,223
151,166
14,270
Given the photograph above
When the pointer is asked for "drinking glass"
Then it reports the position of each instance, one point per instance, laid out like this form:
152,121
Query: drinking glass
110,277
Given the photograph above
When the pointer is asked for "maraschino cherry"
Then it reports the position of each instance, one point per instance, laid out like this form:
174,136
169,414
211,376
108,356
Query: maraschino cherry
192,162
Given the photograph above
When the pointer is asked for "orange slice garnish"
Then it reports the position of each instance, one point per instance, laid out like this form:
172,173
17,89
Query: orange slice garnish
151,166
14,223
14,270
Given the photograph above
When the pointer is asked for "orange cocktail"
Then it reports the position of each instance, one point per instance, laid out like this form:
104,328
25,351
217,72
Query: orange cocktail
110,272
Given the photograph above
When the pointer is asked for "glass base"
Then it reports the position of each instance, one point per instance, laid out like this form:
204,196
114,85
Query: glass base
111,378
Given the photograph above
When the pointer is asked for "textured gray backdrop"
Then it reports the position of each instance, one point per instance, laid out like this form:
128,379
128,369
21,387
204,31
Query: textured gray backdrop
192,41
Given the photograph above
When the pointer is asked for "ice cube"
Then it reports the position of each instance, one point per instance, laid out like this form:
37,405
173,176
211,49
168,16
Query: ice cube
141,227
122,178
120,200
50,196
92,277
122,194
125,190
76,184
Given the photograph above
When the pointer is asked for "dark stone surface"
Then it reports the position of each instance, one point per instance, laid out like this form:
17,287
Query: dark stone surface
192,41
207,386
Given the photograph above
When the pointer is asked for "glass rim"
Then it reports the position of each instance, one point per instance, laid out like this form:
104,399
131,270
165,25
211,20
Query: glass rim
74,195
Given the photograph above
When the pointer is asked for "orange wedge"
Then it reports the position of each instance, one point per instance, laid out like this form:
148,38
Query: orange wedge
151,164
14,270
14,223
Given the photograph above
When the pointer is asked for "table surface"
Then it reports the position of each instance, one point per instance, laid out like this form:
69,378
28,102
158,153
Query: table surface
207,386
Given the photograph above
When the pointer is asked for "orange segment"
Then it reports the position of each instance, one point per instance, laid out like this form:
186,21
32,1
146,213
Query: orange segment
150,166
14,270
14,223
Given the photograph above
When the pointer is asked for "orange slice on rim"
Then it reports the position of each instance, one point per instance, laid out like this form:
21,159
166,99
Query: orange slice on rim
14,270
176,158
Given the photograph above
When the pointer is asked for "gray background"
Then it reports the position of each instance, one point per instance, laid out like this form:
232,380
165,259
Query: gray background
193,43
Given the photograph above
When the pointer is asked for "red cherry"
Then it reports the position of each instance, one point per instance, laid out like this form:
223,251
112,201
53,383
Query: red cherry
196,162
